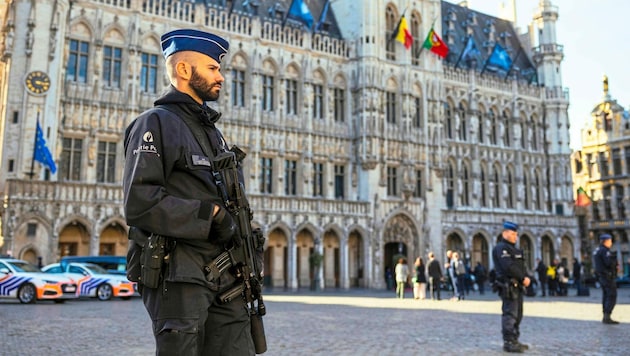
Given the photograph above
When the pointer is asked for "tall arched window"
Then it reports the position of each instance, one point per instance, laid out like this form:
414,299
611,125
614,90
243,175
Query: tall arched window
510,188
450,185
481,132
391,20
507,128
493,127
539,192
463,122
527,199
449,123
465,184
534,133
416,46
484,187
496,200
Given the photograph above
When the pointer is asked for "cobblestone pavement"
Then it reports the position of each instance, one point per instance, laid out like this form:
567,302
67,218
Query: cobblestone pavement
356,322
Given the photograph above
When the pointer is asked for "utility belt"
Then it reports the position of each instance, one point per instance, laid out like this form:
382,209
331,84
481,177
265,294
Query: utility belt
507,288
605,275
147,256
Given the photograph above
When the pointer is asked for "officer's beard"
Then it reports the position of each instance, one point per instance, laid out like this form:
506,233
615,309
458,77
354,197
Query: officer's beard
204,90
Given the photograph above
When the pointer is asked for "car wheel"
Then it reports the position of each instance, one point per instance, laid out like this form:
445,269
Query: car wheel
27,294
104,292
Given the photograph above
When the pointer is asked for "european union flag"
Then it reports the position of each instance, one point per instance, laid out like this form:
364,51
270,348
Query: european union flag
500,58
42,153
300,11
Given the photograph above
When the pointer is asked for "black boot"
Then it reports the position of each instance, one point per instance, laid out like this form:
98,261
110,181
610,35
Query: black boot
608,320
512,346
522,346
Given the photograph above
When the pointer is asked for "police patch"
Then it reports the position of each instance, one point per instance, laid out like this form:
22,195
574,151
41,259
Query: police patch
147,137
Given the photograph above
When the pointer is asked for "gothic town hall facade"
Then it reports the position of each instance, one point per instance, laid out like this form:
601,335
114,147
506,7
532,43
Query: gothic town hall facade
359,150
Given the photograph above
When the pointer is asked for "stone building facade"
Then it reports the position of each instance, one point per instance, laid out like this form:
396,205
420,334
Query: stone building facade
359,150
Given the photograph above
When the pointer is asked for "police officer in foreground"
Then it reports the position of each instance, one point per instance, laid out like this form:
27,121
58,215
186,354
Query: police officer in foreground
170,191
512,278
605,264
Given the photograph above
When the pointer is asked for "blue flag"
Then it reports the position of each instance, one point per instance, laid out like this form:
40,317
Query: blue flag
470,50
500,58
300,11
322,17
42,153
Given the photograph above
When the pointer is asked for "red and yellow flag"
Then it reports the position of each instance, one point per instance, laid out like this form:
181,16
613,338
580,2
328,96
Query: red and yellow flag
435,44
402,33
582,198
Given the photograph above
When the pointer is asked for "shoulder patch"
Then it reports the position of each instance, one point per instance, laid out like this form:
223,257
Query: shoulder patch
147,137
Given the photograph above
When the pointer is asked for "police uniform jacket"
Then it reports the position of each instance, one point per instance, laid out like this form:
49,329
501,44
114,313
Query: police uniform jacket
605,262
508,261
168,184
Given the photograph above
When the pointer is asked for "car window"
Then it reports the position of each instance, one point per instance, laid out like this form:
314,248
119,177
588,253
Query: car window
78,270
24,267
95,268
54,269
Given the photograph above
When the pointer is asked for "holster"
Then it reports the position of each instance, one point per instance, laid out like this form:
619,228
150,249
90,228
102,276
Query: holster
146,257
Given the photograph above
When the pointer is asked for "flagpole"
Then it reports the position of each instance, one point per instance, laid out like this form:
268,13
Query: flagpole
512,66
32,173
462,53
486,63
286,17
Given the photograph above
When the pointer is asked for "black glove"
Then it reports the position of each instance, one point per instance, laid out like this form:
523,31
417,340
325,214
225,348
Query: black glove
223,228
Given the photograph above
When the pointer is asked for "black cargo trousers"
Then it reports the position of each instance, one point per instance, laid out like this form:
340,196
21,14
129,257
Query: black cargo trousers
512,315
187,320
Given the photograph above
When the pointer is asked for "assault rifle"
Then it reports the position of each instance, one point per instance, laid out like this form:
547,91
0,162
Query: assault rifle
245,256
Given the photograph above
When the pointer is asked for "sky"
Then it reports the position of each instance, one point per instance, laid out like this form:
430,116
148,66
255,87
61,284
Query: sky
591,32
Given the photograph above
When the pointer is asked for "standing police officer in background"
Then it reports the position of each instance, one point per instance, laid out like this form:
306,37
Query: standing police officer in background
169,191
511,276
606,269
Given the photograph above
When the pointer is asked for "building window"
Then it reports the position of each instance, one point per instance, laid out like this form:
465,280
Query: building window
417,117
238,88
291,91
496,196
16,117
340,103
510,189
493,128
481,132
450,186
112,63
318,101
589,164
603,164
318,179
448,115
267,95
616,156
627,153
148,73
392,182
31,229
465,186
484,188
340,176
11,165
506,132
534,142
527,200
539,196
77,61
391,23
418,193
266,175
463,123
106,162
70,167
290,177
391,107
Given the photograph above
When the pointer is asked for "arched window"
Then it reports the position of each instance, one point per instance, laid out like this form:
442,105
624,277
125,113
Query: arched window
416,46
481,132
391,20
496,200
449,123
465,184
450,185
510,188
463,122
527,199
493,127
507,137
484,187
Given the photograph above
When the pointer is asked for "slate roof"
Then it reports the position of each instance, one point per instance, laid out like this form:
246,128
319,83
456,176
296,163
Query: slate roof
458,22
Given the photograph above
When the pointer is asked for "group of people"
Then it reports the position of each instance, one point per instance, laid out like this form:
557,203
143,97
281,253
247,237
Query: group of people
554,279
429,277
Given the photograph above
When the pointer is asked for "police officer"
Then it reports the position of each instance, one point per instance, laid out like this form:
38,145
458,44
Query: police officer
511,275
606,269
169,190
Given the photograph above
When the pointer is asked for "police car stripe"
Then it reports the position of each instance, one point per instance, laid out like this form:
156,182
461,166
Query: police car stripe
89,285
12,283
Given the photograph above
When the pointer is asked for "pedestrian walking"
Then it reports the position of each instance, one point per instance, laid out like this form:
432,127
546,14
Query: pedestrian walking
541,269
511,275
420,282
173,205
435,276
606,266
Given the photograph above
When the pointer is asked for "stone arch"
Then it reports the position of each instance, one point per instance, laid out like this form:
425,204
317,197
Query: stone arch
331,247
398,239
526,244
357,257
276,258
114,34
305,245
566,251
74,239
481,249
456,241
547,249
113,238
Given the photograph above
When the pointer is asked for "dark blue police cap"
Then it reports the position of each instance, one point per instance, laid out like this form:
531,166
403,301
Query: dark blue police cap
508,225
605,237
211,45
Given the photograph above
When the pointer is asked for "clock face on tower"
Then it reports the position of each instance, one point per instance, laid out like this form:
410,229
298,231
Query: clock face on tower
37,82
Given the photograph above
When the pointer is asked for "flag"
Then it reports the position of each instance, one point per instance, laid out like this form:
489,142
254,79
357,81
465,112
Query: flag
500,58
469,51
582,198
322,17
42,153
300,12
434,43
402,33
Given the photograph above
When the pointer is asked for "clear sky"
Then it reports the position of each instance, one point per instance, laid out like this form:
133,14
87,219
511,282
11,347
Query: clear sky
592,33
